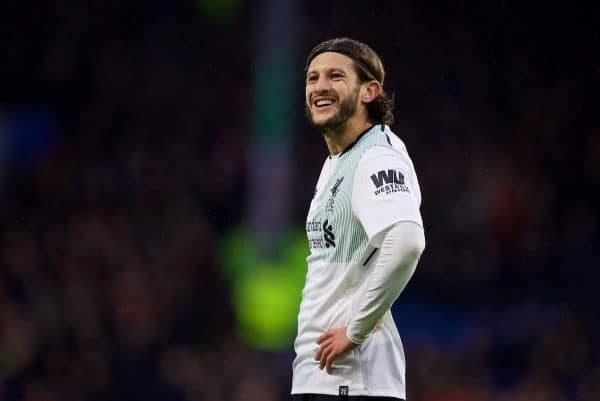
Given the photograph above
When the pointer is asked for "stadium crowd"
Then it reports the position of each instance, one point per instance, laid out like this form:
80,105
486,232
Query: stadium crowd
110,286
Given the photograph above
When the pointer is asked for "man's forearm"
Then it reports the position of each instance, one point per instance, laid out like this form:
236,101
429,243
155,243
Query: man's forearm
398,256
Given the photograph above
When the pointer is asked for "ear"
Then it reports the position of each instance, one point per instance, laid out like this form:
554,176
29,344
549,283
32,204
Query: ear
369,91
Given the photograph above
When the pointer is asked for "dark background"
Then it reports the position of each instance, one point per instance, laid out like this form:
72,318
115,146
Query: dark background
125,151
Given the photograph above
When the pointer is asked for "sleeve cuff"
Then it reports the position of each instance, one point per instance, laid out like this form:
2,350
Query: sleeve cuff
353,337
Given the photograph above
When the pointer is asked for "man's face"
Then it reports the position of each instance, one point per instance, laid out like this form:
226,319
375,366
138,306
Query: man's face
331,90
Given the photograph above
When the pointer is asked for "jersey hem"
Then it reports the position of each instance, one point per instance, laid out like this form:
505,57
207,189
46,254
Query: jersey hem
328,391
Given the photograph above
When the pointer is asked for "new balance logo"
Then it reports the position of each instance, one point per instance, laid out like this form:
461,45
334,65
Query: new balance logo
336,186
334,191
328,234
387,177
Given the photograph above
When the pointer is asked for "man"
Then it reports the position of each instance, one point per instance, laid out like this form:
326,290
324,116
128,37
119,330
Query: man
364,230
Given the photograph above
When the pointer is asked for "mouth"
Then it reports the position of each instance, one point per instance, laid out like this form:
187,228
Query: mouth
323,103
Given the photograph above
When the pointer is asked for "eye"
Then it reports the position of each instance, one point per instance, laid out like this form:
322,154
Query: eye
337,75
311,78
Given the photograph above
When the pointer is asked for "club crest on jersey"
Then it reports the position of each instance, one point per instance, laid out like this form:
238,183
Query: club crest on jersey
328,234
388,182
334,192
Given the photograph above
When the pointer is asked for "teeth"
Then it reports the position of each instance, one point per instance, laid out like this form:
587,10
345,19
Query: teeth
323,102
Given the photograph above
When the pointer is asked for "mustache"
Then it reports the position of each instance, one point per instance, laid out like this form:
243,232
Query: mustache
328,93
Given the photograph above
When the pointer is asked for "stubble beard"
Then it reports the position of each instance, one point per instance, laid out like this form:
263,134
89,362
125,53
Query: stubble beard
337,122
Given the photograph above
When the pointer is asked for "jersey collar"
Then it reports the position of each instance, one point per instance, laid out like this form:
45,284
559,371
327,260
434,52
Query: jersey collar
358,138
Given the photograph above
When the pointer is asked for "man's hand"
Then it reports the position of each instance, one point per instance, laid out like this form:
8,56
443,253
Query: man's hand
332,343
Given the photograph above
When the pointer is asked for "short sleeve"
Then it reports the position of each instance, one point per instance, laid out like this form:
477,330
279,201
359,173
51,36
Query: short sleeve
384,192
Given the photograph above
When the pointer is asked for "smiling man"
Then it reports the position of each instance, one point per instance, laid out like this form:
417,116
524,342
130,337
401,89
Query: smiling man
364,230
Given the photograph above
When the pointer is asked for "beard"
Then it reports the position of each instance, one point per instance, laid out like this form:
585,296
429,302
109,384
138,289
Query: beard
337,121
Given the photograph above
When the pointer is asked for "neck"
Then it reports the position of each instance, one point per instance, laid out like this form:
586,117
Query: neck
338,139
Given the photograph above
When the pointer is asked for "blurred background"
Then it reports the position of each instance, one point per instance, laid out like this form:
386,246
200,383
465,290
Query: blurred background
156,169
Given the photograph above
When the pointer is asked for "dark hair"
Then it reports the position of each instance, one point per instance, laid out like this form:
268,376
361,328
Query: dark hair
368,67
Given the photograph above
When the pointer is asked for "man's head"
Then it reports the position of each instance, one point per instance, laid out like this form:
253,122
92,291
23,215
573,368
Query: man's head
345,77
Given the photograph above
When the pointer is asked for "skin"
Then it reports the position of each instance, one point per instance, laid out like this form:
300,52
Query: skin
333,76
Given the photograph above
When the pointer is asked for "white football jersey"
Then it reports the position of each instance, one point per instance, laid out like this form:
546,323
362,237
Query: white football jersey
360,193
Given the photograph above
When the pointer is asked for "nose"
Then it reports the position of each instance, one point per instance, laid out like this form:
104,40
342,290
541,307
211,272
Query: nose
322,84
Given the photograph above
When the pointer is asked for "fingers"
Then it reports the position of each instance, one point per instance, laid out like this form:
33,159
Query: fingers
326,356
321,349
327,352
324,345
329,360
327,342
324,336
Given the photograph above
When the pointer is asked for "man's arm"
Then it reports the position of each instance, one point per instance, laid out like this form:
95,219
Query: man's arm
400,251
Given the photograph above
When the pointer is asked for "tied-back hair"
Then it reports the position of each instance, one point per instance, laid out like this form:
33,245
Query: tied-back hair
368,67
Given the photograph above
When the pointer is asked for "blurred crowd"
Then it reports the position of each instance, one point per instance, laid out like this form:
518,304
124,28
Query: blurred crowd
110,288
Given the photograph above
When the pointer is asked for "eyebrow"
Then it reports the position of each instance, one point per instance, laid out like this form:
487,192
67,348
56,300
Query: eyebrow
330,70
